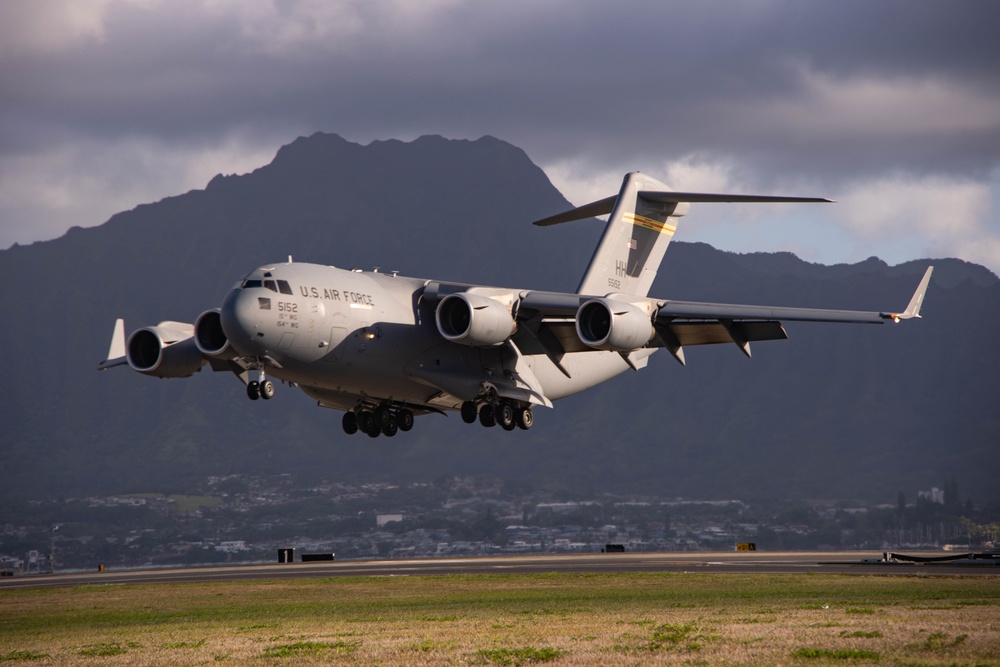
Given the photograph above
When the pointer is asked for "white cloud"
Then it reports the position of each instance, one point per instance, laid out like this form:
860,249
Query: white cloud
937,215
581,182
866,104
83,183
108,103
55,26
897,217
304,27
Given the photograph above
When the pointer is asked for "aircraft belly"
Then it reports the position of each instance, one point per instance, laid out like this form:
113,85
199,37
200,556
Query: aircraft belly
586,370
364,362
363,366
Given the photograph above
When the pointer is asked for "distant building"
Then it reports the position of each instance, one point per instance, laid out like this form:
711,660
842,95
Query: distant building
382,519
935,495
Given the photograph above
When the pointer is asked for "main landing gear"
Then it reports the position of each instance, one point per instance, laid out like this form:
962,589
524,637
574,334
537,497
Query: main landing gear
503,411
383,420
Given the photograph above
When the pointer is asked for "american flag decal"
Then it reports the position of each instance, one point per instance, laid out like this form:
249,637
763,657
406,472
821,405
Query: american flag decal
632,245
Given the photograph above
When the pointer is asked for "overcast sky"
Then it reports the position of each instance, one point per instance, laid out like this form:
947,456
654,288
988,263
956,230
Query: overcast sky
891,108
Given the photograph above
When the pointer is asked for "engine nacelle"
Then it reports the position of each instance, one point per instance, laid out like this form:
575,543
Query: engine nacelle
606,324
209,336
164,352
472,319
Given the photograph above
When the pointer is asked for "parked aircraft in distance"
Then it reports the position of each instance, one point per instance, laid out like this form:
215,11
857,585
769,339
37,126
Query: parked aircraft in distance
384,348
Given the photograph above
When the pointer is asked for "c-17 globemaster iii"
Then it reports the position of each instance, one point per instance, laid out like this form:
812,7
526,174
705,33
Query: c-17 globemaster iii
384,348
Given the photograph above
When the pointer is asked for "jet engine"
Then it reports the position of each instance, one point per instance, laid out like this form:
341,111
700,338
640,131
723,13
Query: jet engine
606,324
167,350
472,319
209,336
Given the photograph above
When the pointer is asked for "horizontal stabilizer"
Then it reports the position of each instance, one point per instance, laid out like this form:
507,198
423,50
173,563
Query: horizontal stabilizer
669,197
590,210
606,205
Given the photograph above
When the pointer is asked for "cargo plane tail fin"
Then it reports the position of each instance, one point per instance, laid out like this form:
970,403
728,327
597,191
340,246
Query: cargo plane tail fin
644,217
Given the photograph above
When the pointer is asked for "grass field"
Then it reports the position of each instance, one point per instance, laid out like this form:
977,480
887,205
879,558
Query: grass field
555,619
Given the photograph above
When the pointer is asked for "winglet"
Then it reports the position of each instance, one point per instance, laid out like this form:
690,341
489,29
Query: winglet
913,308
116,352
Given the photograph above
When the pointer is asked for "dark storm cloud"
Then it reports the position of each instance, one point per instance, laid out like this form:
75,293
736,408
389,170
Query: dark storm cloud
826,92
562,78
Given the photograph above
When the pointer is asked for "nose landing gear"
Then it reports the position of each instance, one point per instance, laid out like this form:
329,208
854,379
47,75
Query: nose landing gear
263,390
261,387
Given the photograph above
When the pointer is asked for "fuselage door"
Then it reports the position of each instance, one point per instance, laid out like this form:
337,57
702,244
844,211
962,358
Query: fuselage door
338,338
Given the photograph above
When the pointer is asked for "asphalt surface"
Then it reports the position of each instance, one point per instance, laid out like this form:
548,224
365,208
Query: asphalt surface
841,562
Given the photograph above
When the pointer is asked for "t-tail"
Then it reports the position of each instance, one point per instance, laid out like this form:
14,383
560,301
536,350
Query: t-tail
644,217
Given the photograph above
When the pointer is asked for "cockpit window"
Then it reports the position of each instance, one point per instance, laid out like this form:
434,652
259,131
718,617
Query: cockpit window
251,283
284,287
269,284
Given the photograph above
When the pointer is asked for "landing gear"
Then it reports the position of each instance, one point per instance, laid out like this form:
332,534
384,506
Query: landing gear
524,418
366,422
404,418
507,413
267,390
505,416
350,423
487,416
383,420
261,387
383,417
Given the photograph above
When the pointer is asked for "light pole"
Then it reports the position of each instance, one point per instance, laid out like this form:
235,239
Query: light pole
52,552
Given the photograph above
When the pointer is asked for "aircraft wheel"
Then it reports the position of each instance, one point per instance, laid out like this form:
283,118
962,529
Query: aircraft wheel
253,390
350,423
404,419
390,426
366,421
486,416
382,416
505,416
267,390
375,432
524,418
469,412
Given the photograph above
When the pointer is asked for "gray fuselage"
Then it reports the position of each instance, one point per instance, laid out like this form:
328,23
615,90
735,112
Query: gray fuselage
343,336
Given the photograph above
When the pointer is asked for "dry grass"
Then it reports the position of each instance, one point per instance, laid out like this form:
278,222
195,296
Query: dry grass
513,620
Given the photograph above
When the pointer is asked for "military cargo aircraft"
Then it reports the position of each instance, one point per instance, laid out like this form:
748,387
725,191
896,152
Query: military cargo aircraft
384,348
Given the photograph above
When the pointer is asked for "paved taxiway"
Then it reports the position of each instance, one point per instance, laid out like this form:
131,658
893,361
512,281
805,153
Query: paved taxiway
839,562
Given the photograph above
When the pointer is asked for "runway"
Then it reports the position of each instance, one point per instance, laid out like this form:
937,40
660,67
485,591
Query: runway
838,562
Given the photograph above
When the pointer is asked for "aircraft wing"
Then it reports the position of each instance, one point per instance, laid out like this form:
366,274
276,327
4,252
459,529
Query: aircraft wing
549,321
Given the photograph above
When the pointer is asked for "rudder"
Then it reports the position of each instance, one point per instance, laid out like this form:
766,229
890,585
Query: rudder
635,240
644,217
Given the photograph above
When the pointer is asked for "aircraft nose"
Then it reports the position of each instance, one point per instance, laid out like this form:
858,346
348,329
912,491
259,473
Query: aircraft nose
240,316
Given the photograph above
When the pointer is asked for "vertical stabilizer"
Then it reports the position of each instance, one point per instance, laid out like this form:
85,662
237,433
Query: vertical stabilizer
637,234
643,219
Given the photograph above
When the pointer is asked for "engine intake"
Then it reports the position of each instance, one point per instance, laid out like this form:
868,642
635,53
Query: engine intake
209,336
163,352
606,324
472,319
